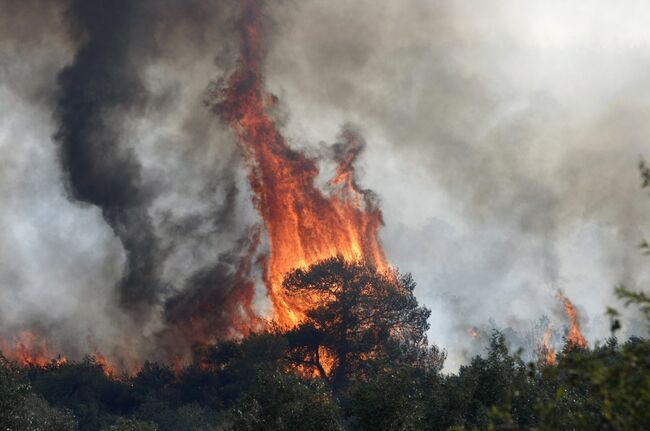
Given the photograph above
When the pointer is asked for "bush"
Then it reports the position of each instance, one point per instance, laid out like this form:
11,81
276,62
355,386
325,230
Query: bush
284,402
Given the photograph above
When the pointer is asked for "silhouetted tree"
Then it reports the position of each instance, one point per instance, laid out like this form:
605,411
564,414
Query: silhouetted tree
359,313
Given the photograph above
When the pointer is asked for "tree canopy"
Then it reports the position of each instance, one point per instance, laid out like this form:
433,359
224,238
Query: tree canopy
358,314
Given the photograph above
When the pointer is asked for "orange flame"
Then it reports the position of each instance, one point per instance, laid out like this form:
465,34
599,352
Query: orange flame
547,352
304,224
109,370
29,350
574,336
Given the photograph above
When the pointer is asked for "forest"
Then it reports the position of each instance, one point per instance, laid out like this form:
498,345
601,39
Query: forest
359,361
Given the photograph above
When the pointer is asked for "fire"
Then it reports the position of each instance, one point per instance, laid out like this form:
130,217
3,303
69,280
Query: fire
547,352
574,336
472,332
29,350
109,370
208,314
303,223
326,359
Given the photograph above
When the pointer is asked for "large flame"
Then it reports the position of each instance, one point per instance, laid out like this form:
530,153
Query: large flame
303,224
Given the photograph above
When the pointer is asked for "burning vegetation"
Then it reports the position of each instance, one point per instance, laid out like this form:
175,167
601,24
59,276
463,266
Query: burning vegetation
547,352
574,336
304,224
29,350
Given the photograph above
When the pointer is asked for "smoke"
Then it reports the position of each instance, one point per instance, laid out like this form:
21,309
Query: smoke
501,138
102,83
204,314
136,197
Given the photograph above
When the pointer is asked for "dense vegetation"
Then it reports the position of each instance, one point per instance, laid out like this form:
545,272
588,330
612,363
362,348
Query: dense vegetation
271,381
360,361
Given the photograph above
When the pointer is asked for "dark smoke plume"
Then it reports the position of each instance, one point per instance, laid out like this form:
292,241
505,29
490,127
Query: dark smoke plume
100,84
217,302
171,200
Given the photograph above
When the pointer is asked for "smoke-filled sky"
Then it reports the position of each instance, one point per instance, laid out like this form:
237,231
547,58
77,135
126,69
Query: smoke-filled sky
502,140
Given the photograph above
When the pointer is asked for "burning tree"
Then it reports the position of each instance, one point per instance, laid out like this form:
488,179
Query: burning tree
574,337
303,223
359,313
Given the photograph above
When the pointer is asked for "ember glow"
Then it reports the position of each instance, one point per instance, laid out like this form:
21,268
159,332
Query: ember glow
304,224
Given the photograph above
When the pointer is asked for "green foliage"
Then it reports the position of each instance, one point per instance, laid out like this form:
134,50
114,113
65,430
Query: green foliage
284,402
604,388
496,389
191,417
639,299
231,367
85,390
386,396
22,410
12,394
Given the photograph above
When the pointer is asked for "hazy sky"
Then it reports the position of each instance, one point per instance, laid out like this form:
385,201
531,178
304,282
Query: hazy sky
503,139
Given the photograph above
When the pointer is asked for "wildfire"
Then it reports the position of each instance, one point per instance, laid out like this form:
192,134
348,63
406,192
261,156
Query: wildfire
29,350
304,224
574,336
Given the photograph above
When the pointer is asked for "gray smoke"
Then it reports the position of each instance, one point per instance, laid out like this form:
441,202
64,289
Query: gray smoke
503,139
104,116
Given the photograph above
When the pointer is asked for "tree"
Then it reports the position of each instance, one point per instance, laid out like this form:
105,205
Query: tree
82,387
604,388
232,365
388,397
359,313
21,409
